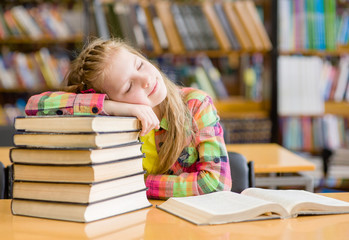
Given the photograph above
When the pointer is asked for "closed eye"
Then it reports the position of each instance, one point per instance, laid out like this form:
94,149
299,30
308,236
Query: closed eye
140,66
129,88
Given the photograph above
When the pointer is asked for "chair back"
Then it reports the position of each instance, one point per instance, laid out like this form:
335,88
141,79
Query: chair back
2,181
5,181
242,172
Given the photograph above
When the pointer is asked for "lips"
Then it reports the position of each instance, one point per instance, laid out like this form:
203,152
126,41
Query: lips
154,89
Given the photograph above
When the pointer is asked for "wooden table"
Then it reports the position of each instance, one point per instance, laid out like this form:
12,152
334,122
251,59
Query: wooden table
269,158
282,167
4,155
153,224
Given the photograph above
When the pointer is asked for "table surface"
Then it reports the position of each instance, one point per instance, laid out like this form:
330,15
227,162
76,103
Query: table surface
152,223
268,158
271,158
4,155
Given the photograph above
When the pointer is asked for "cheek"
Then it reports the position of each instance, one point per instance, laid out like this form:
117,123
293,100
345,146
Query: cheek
136,98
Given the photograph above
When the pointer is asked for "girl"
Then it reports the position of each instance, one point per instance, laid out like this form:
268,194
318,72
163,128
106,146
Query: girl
183,140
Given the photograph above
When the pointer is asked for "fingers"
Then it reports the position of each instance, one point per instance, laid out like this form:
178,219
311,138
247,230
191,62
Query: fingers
149,121
144,113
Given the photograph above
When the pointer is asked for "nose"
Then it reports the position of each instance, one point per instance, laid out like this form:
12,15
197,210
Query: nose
144,80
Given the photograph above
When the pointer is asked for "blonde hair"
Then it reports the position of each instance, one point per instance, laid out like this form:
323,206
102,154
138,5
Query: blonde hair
89,70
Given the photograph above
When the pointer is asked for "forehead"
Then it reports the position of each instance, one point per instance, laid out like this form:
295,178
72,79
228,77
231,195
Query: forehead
121,64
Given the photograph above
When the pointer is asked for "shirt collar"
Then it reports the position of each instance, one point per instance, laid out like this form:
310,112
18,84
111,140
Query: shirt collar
164,124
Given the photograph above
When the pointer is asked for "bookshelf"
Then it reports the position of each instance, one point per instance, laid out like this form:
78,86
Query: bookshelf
316,40
38,39
319,35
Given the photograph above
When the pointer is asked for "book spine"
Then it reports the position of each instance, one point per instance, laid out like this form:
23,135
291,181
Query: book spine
182,27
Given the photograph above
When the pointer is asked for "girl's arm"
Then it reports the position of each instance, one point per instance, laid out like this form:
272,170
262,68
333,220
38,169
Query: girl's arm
211,171
64,103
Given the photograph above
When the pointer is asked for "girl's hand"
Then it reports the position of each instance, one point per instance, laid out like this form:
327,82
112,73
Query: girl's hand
144,113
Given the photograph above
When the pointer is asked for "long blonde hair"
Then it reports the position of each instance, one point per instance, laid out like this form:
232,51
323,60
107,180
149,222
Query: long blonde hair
89,70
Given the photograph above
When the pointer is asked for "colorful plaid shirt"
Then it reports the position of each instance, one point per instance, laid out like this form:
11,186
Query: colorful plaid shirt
202,167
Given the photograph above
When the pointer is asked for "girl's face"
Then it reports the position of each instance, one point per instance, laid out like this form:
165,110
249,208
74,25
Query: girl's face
132,79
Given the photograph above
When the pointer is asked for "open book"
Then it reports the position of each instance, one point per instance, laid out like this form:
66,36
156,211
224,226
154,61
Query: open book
251,204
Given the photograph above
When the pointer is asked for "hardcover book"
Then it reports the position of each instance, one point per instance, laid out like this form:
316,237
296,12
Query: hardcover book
252,204
81,212
75,123
78,192
63,156
73,140
78,173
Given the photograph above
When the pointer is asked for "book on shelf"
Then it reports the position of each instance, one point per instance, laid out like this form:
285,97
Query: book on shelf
213,75
87,173
45,62
237,26
308,24
223,18
195,23
340,156
163,10
317,133
7,75
11,24
26,70
4,29
78,192
63,156
81,212
285,29
122,11
136,27
203,81
299,24
182,27
330,24
311,23
77,123
112,20
141,27
241,9
100,19
343,80
259,26
251,205
343,32
156,25
249,129
299,87
206,32
208,9
41,20
26,22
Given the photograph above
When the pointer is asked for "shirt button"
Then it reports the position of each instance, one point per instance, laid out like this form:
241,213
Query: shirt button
95,109
216,160
59,112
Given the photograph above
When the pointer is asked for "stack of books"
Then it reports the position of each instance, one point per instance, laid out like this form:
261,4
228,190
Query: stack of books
77,168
